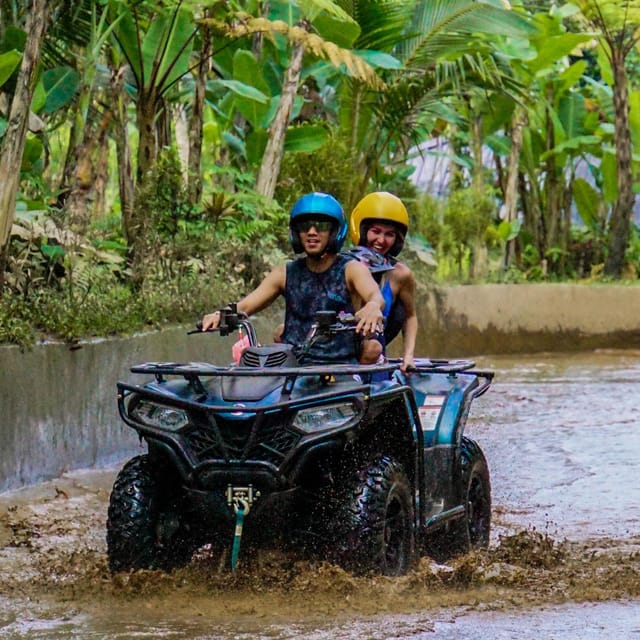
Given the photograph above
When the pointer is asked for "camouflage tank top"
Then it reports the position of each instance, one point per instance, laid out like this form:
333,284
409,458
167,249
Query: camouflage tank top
307,292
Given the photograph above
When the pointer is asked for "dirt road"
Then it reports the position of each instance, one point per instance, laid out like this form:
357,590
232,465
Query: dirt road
561,437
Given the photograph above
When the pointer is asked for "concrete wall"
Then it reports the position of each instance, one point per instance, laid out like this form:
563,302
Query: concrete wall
58,406
477,319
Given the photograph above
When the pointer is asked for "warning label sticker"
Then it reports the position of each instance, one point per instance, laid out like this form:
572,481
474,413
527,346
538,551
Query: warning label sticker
430,410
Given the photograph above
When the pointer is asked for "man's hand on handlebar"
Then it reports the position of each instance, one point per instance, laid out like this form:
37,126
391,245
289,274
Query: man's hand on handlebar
210,321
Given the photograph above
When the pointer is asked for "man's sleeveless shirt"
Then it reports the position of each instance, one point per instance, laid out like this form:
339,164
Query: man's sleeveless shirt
307,292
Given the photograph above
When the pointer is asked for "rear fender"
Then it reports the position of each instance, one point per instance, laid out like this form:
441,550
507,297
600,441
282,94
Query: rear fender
444,401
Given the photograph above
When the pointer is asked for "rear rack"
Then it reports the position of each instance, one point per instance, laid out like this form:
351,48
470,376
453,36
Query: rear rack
428,365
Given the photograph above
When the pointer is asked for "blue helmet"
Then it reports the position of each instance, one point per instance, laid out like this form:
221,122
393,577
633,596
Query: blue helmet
313,205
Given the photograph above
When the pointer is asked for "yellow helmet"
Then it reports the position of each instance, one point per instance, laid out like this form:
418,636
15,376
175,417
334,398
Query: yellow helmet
383,207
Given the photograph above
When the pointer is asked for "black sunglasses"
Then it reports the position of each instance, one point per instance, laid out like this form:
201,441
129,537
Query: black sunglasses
321,225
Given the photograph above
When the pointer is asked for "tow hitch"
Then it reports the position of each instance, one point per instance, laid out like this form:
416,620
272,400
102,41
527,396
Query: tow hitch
241,499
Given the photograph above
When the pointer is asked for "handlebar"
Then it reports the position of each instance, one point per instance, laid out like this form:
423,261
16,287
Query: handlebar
325,325
230,320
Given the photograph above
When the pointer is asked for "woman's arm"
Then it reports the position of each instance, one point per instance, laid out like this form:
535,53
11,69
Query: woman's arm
407,297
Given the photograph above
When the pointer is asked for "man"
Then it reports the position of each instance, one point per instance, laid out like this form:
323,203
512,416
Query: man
380,222
321,280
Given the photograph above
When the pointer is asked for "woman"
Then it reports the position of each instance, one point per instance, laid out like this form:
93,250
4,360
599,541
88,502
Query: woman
380,222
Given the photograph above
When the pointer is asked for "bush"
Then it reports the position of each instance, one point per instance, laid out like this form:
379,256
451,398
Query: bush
327,169
458,228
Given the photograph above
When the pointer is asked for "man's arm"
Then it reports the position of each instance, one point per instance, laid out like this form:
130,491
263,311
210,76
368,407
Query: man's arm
360,282
260,298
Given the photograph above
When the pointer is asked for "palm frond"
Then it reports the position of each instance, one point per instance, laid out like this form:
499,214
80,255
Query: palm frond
441,28
382,23
312,43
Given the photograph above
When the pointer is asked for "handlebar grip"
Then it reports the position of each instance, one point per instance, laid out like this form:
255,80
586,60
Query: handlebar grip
347,318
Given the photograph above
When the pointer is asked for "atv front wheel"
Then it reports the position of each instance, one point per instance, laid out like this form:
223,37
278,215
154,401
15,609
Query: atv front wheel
374,520
143,531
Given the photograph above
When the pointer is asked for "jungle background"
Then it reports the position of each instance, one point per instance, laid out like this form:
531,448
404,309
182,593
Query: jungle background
150,151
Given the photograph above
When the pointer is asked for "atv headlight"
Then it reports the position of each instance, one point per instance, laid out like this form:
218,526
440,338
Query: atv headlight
328,416
159,415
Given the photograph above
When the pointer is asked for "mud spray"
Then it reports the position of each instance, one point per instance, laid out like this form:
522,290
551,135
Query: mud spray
53,562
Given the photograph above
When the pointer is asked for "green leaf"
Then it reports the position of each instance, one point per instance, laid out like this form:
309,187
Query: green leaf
255,144
235,144
569,120
634,119
509,230
33,151
554,48
127,34
604,65
241,89
378,59
497,114
166,48
111,245
9,62
311,9
343,32
60,85
609,171
570,76
158,55
246,70
587,201
39,98
253,105
13,38
574,144
52,251
305,138
211,132
499,144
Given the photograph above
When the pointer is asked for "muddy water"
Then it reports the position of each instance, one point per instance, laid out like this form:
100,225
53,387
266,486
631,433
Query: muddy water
562,436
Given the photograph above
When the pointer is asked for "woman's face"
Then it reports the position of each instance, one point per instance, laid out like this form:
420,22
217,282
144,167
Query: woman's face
381,237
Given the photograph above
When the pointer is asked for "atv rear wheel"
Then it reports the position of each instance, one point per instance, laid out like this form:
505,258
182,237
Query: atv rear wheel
471,532
374,520
143,530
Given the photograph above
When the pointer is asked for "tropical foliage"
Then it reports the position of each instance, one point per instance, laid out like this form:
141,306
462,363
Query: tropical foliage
152,147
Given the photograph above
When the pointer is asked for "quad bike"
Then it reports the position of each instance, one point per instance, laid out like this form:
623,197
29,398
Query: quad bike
365,465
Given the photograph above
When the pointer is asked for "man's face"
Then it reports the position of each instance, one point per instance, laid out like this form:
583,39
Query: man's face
381,237
314,235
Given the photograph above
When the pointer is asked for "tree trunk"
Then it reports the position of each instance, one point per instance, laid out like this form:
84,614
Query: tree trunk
272,158
12,146
90,156
101,171
196,121
79,172
478,161
552,188
509,212
620,225
126,185
148,142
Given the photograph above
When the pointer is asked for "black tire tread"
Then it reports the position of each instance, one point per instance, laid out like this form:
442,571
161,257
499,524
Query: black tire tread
133,515
361,514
